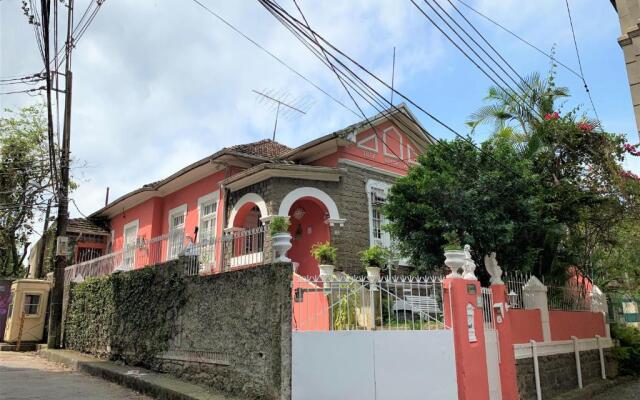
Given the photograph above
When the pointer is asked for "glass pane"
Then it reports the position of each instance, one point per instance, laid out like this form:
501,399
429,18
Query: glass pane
31,304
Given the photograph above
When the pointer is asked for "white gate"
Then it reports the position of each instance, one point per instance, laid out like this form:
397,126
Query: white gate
355,339
491,344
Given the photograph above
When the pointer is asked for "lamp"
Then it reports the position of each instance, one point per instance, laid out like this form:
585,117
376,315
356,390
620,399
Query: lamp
513,298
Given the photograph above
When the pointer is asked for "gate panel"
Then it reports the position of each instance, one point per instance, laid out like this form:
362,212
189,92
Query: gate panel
382,365
491,345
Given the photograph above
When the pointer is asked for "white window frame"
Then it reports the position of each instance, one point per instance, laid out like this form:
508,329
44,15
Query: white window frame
208,198
386,238
136,224
39,304
180,210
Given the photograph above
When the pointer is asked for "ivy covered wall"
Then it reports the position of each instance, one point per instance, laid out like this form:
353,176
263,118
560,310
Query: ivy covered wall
127,315
231,331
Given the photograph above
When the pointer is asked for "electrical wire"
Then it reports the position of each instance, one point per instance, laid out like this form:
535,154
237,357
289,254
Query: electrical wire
272,55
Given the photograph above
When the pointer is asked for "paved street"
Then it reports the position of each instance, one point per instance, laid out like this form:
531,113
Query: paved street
26,376
629,391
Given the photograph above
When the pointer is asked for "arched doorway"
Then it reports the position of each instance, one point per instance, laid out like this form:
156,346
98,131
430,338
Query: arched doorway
243,244
309,225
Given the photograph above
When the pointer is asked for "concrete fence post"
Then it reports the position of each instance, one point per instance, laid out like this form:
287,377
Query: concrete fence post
463,314
535,297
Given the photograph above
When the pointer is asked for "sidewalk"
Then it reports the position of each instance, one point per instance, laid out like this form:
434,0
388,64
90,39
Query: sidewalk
25,376
159,386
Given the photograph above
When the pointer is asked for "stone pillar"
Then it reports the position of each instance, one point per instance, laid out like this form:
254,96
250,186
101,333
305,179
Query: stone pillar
464,317
535,297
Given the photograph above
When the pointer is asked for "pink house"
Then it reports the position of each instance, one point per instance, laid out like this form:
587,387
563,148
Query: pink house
331,188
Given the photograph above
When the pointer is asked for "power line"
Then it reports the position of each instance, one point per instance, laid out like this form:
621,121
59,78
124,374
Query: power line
520,38
23,91
278,59
575,44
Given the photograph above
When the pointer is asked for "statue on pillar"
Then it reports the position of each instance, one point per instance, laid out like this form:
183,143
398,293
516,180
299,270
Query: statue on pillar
491,264
469,265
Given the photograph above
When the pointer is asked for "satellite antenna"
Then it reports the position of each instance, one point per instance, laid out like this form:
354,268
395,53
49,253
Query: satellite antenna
285,105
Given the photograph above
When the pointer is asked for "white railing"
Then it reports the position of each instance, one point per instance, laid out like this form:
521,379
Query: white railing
487,309
239,249
342,302
515,281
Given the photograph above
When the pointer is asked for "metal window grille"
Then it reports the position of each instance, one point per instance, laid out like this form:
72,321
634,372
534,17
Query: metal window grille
342,302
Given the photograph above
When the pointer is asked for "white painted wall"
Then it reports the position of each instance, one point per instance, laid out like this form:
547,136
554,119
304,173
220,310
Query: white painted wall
380,365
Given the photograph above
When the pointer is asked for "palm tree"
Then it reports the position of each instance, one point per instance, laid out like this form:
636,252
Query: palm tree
515,114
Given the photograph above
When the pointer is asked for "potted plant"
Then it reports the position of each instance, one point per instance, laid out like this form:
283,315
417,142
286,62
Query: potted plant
280,237
373,259
453,253
325,254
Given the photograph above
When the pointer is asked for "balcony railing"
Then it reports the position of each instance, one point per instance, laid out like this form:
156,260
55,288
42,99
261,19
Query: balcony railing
238,249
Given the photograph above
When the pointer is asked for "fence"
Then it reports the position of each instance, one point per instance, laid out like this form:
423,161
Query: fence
238,249
515,281
341,302
569,298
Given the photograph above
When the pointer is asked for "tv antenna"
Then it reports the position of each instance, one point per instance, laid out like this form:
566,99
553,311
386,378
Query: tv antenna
285,105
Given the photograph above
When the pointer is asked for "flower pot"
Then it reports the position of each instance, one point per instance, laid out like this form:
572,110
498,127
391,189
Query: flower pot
326,270
281,243
454,260
373,274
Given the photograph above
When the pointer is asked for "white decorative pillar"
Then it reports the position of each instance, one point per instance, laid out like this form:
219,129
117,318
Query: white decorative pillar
599,304
535,297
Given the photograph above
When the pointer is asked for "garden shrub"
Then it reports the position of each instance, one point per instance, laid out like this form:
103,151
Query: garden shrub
628,352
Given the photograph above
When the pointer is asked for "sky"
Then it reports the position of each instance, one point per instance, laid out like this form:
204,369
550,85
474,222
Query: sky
160,84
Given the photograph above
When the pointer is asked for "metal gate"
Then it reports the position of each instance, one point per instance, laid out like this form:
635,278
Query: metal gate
491,344
358,339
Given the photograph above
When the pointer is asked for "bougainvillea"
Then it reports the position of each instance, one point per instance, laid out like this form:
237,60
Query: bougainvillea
631,149
585,126
553,116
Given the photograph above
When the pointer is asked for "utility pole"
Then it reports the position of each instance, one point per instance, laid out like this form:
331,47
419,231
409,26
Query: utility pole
57,293
45,5
37,274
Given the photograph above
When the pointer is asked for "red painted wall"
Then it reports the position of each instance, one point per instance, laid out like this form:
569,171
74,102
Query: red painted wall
526,325
508,376
312,313
581,324
307,231
397,144
146,213
189,195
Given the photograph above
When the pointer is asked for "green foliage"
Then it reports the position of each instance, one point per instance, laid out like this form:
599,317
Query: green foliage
126,315
374,256
279,224
324,253
452,241
25,183
545,192
628,353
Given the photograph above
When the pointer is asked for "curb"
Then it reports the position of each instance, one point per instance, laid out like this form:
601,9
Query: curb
159,386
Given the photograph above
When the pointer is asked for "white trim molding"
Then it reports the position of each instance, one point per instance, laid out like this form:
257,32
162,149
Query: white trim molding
248,198
315,193
524,350
386,146
384,186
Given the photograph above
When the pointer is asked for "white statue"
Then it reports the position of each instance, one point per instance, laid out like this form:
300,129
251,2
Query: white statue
491,264
469,265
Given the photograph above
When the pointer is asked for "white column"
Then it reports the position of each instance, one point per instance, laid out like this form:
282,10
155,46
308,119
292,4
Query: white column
535,297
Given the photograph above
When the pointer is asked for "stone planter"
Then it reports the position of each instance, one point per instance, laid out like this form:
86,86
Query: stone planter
281,243
373,274
454,260
326,270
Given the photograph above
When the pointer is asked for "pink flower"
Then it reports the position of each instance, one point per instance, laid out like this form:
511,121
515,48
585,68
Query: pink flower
551,116
630,175
631,149
585,126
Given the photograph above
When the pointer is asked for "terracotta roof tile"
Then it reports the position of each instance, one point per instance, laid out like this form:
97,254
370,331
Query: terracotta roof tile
264,148
86,226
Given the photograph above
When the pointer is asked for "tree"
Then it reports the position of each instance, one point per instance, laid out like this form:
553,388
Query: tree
25,183
545,193
489,197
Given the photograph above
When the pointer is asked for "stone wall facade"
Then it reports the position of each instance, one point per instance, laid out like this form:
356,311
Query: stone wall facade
230,331
558,373
350,197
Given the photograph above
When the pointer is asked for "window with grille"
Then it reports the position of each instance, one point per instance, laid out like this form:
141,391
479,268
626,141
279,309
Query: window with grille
377,197
31,304
176,231
207,225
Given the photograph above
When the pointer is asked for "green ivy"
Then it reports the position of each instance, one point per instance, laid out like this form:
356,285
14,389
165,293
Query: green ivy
127,316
